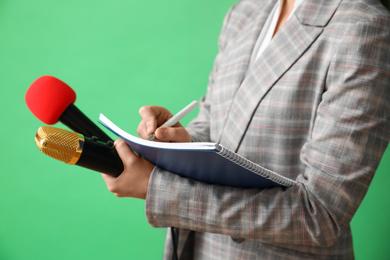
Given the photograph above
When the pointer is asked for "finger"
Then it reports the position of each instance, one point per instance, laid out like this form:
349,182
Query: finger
124,151
154,116
141,130
107,178
111,182
172,134
149,119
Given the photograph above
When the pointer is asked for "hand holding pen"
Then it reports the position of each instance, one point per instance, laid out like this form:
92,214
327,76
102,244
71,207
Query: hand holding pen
170,130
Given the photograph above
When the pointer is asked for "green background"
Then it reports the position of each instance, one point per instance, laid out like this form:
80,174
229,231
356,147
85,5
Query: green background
117,56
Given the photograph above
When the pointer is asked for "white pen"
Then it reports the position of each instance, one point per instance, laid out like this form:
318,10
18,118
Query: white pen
176,118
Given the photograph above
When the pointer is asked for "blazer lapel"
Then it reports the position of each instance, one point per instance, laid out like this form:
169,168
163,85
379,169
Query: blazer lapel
287,46
239,50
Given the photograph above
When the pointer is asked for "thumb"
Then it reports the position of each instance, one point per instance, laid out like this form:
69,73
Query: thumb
124,152
172,134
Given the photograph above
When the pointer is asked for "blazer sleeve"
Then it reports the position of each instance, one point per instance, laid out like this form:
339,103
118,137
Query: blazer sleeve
350,134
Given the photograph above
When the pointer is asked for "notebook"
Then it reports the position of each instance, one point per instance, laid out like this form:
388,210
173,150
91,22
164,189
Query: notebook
203,161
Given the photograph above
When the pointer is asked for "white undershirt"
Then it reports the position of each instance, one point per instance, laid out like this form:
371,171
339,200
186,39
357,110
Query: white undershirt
268,30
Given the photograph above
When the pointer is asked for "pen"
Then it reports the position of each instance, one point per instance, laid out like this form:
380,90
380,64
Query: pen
176,118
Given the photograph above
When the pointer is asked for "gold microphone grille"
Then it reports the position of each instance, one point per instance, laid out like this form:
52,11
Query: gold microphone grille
59,144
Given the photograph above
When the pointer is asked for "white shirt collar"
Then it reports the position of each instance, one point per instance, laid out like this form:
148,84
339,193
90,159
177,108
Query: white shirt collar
268,30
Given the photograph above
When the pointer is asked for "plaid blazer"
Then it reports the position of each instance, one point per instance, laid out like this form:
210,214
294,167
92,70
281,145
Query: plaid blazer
314,108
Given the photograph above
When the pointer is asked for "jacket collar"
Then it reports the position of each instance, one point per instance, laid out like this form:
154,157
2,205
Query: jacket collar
287,46
317,12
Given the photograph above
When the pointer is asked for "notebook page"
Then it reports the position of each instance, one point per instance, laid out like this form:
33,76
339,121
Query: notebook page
177,146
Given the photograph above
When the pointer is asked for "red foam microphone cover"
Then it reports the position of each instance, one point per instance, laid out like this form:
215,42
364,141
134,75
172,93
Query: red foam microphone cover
48,97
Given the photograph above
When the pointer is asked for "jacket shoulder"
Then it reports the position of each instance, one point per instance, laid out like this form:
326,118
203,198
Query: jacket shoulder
239,16
366,11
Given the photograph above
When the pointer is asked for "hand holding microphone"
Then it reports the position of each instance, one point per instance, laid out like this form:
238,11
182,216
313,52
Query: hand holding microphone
51,100
76,149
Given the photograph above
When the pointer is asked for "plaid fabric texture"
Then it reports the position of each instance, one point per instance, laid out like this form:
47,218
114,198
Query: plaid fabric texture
314,108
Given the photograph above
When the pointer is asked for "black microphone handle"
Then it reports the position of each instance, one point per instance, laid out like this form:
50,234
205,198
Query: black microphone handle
101,157
80,123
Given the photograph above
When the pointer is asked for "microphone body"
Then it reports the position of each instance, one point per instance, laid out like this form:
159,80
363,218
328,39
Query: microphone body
52,100
77,149
76,120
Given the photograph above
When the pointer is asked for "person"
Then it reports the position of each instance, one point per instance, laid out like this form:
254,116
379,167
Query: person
306,95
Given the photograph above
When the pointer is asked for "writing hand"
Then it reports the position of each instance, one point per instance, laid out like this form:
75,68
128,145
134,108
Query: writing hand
152,118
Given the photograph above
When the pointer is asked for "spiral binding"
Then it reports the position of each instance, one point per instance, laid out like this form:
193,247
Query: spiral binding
253,167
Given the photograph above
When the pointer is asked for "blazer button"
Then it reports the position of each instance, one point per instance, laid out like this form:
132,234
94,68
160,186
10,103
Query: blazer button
238,240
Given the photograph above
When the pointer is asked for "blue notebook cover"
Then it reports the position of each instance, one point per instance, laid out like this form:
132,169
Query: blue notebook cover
202,161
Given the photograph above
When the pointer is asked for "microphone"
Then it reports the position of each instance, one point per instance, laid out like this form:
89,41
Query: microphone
51,100
75,149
